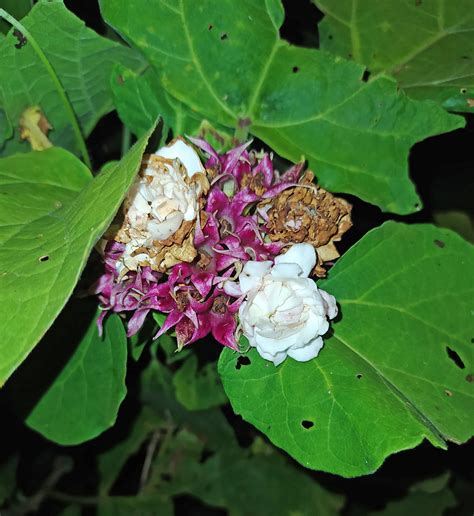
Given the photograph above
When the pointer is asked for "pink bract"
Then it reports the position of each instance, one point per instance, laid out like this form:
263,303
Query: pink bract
231,234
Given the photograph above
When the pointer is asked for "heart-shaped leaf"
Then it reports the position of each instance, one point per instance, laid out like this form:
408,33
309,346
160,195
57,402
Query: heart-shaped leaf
230,65
399,367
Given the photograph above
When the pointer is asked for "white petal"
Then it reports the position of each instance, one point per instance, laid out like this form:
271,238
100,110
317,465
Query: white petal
185,153
331,306
163,230
232,288
303,255
252,274
307,352
286,270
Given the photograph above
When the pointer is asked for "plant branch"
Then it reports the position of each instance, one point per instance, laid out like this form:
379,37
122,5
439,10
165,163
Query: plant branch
57,83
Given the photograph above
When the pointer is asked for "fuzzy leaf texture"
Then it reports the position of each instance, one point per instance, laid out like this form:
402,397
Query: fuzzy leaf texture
230,65
51,215
427,45
83,62
398,368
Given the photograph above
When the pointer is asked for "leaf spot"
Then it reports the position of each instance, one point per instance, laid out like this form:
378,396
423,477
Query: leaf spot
448,393
455,357
44,258
21,39
439,243
307,424
330,36
470,378
242,361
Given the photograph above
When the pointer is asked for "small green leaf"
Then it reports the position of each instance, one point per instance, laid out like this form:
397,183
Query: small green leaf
398,368
140,99
428,45
46,240
198,390
231,66
83,400
82,60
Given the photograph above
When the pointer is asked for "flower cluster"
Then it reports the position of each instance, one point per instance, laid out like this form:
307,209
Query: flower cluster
224,248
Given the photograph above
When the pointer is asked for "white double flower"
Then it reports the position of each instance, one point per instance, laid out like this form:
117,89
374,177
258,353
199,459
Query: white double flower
284,313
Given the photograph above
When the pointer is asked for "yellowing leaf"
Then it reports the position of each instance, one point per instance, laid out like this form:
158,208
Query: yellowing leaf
34,127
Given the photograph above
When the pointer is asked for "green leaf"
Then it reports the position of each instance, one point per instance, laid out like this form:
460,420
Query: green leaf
46,238
222,479
152,505
434,504
198,390
230,65
17,8
84,398
428,45
140,99
111,462
398,368
82,60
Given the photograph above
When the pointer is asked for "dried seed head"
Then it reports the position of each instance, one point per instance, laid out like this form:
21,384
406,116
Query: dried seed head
307,213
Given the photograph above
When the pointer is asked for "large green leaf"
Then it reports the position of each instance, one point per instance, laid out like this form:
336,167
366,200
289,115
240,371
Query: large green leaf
83,399
428,45
140,99
46,236
82,60
17,8
398,368
230,65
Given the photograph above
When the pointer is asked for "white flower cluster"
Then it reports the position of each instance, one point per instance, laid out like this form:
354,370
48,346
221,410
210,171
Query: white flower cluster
284,313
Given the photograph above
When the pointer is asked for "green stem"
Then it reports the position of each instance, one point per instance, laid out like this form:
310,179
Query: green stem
57,83
126,140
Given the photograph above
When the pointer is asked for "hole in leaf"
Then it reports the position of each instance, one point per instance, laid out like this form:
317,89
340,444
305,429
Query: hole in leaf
307,424
470,378
439,243
366,76
242,361
358,376
224,36
417,206
463,91
455,357
44,258
448,393
295,69
210,26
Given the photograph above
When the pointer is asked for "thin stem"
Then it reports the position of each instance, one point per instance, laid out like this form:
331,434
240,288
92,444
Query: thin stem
126,140
57,83
83,500
150,453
